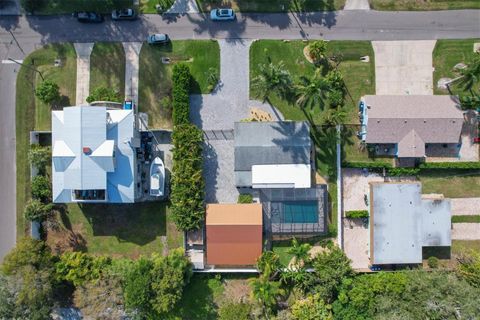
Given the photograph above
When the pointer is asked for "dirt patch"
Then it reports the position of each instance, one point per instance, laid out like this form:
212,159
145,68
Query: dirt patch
61,239
236,290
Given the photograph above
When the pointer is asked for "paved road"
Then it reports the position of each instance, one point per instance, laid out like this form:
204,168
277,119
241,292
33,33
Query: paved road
21,35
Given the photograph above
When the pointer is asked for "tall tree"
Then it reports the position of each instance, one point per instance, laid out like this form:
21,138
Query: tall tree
311,308
300,252
312,91
272,78
470,75
266,293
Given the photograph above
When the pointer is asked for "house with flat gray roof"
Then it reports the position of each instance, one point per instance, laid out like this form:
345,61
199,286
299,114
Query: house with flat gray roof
403,222
406,126
93,155
273,154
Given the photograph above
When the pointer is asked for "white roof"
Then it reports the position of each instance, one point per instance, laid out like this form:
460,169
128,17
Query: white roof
281,176
89,152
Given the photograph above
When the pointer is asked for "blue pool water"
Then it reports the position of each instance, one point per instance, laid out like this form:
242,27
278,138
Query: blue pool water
300,212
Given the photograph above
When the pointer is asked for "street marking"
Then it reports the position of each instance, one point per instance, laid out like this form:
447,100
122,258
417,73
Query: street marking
10,61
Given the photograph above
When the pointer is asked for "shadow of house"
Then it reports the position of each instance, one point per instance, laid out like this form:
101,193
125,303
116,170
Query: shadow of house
210,172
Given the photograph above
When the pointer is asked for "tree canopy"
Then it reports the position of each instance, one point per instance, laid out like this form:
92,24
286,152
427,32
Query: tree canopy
48,91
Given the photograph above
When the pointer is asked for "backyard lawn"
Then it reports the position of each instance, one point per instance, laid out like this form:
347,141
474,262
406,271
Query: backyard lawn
446,55
274,5
155,77
424,5
127,230
107,67
32,114
69,6
451,183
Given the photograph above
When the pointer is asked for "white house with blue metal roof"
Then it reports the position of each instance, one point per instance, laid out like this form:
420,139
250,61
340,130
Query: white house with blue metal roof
94,155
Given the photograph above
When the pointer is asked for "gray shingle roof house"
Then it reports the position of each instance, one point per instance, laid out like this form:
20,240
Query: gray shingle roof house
402,222
272,154
93,155
410,122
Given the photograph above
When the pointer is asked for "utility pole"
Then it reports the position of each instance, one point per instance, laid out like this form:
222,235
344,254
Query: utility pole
29,67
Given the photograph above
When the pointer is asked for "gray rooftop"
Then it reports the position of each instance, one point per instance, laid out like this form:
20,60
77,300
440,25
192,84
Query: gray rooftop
402,222
412,121
264,143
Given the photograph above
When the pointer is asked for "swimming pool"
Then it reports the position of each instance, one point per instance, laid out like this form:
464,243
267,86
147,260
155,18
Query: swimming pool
300,212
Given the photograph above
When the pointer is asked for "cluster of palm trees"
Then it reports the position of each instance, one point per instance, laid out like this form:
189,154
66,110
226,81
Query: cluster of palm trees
468,81
324,89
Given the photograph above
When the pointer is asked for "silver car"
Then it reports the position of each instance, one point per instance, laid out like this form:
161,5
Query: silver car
158,38
222,14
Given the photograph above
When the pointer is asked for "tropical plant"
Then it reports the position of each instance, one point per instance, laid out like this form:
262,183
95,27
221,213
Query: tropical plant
266,293
39,157
335,116
311,308
41,188
470,102
137,289
432,262
312,91
181,79
317,50
335,98
470,75
300,252
335,80
79,268
48,91
104,94
37,210
212,78
272,78
269,264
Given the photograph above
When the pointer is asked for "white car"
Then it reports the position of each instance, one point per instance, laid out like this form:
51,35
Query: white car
222,14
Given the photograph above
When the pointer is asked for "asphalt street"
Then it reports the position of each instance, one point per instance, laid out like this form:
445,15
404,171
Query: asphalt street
21,35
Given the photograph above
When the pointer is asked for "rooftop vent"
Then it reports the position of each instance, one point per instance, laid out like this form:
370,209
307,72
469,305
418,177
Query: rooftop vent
87,150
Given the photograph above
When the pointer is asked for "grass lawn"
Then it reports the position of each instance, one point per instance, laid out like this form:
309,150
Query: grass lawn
155,77
32,114
69,6
447,54
148,6
467,219
451,183
273,5
107,67
424,5
458,246
127,230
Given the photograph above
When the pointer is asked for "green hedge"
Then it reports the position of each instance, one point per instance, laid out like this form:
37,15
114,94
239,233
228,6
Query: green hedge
188,185
357,214
367,165
397,172
466,219
245,198
181,78
451,165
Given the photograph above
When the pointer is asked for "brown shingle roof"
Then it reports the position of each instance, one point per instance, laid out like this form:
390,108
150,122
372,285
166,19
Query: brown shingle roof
234,234
412,121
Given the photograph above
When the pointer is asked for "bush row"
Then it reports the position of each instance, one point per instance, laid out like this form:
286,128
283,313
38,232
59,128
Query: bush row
357,214
397,172
367,165
188,184
451,165
181,79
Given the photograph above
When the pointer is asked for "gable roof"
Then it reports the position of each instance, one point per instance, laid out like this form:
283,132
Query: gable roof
413,121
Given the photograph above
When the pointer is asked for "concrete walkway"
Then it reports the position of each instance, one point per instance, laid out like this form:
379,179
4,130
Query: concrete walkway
132,56
465,206
184,6
357,5
403,67
466,231
84,50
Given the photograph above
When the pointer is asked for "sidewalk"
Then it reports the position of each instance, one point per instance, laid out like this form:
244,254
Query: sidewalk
84,50
132,56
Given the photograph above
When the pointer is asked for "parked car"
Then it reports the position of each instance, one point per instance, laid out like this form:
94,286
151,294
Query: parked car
222,14
158,38
124,14
88,17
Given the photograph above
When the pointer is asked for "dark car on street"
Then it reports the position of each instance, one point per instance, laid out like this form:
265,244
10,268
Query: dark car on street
92,17
124,14
158,38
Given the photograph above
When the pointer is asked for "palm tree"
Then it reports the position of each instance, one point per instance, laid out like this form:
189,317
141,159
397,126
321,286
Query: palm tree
335,116
470,75
269,264
272,78
470,102
312,91
265,292
317,50
300,251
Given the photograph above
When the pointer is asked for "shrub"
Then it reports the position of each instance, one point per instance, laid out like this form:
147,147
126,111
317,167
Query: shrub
39,157
317,50
166,103
357,214
469,267
245,198
36,210
234,311
188,185
79,267
48,91
396,172
367,165
451,165
311,308
181,78
41,188
432,262
212,79
104,94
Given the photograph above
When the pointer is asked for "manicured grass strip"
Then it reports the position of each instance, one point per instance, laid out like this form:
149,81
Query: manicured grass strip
107,67
69,6
32,114
423,5
466,219
447,54
155,80
451,183
274,5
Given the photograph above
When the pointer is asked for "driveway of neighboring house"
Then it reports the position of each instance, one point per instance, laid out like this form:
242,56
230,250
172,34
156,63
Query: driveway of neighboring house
184,6
356,186
466,231
403,67
356,242
465,206
84,50
357,5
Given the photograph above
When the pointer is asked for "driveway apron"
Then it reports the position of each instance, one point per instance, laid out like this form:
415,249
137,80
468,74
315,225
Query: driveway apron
132,56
